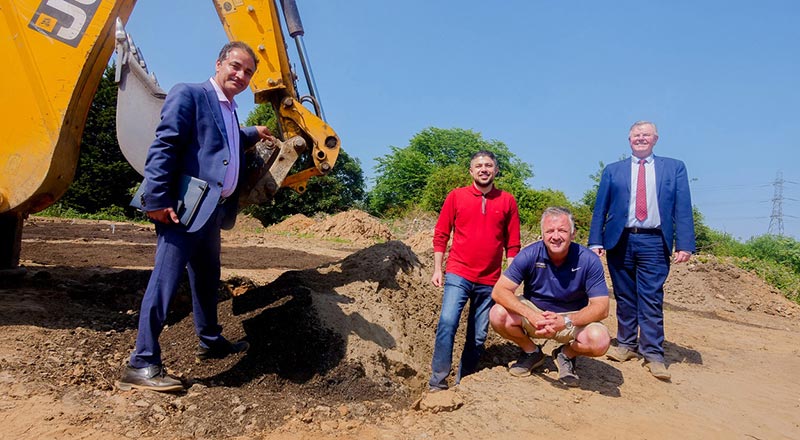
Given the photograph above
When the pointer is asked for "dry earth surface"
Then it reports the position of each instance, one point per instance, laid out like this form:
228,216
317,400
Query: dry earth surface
340,316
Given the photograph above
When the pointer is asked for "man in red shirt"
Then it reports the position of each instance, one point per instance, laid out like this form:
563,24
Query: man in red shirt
484,221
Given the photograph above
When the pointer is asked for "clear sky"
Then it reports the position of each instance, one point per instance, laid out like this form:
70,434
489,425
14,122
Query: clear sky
558,82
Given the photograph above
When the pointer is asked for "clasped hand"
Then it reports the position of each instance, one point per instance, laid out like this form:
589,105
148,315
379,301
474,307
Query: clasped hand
548,324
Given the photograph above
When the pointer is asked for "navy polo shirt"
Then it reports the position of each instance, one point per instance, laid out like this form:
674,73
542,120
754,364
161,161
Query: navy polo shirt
558,289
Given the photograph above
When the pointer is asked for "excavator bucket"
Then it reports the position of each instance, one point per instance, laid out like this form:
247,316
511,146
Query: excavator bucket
139,101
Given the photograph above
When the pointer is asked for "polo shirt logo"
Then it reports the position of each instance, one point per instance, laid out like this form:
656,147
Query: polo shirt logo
540,265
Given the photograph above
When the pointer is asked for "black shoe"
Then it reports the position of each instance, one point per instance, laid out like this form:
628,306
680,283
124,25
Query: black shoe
526,362
153,378
566,368
222,351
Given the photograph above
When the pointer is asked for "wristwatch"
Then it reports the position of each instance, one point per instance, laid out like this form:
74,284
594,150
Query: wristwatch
568,323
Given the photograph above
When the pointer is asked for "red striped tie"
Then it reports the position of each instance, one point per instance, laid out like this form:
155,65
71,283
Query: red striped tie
641,193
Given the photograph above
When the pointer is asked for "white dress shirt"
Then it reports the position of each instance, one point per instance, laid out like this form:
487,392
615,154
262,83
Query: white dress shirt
653,219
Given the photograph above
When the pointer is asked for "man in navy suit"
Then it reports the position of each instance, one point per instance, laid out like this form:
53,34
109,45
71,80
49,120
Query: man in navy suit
199,136
643,210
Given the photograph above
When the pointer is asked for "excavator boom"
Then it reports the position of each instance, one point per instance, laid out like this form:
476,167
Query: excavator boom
58,50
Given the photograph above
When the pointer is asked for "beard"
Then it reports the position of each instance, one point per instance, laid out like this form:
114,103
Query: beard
481,184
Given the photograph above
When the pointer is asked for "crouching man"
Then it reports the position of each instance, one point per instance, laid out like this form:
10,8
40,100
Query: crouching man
564,299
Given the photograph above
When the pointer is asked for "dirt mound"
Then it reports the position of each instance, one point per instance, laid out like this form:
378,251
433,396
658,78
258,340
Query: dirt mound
245,229
421,242
354,225
294,224
413,222
247,224
381,301
711,284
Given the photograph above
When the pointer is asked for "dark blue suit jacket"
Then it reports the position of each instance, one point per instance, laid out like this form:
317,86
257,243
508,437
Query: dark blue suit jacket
674,204
191,139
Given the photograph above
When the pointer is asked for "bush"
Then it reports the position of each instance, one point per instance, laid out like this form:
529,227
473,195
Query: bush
782,250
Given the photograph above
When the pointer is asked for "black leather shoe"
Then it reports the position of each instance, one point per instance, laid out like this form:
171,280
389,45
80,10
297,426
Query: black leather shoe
153,378
222,351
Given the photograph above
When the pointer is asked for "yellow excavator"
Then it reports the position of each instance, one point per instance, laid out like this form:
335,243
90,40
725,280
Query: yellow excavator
56,52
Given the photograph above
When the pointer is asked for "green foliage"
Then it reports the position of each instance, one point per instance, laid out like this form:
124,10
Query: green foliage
401,177
784,251
103,177
721,244
434,157
532,202
263,114
702,233
440,182
583,220
590,195
113,213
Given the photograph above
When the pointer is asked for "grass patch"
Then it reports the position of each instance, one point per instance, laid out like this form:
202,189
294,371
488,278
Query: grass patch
112,213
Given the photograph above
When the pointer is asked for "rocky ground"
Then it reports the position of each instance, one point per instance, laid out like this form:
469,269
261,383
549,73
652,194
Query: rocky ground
340,316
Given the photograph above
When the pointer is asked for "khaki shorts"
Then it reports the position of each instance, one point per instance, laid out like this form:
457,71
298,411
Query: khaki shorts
564,336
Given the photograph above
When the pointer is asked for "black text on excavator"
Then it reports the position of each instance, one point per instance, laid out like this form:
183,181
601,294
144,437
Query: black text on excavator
58,51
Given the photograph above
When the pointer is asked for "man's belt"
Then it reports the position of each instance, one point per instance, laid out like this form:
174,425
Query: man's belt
638,230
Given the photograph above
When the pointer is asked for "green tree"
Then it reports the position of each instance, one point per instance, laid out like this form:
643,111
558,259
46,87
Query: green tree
439,183
590,195
532,202
263,114
428,168
103,179
400,178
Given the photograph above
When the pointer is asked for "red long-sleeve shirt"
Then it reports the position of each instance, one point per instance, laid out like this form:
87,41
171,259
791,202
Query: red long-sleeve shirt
482,228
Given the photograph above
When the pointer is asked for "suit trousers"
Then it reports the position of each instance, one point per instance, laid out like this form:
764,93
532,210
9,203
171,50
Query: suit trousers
639,265
176,250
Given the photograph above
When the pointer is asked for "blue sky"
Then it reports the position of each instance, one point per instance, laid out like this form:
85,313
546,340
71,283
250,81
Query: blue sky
558,82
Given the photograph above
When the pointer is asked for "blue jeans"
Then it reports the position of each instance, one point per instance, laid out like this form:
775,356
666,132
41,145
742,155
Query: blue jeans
457,291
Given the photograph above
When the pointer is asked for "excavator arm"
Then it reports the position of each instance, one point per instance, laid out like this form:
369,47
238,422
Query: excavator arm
58,51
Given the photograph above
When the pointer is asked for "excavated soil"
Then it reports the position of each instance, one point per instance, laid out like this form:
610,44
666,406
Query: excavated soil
340,317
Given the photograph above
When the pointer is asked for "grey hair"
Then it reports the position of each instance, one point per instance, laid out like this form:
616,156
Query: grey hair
228,47
640,123
558,211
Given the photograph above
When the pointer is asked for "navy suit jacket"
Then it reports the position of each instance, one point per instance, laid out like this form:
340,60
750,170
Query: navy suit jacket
191,139
674,204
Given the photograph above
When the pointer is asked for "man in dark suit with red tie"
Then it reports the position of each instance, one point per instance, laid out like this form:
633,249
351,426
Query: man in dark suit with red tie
643,211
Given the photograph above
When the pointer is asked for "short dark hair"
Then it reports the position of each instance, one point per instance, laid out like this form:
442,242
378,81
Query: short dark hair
484,153
227,48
